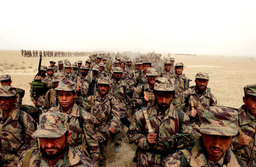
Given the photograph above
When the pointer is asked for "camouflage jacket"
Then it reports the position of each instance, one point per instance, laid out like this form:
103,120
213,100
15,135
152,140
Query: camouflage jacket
79,117
106,112
71,158
247,123
48,81
167,74
83,85
181,83
137,77
138,96
165,125
195,157
51,99
190,99
69,76
16,135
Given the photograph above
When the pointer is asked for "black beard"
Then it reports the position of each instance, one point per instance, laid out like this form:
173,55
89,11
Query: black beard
163,107
84,74
52,157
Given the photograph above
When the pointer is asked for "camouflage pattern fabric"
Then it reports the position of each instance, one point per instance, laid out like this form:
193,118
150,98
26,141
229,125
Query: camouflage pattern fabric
72,158
48,81
16,135
247,123
165,125
196,157
79,117
51,99
180,83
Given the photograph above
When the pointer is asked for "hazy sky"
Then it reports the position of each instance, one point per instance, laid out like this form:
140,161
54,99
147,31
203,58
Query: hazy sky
223,27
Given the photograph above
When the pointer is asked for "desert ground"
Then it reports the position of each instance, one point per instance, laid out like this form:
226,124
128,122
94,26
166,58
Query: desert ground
228,76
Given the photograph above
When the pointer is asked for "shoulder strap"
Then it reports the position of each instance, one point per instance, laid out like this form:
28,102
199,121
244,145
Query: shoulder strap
185,158
27,157
150,129
180,119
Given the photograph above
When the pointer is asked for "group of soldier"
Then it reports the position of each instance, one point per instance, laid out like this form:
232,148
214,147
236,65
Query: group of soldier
80,109
48,53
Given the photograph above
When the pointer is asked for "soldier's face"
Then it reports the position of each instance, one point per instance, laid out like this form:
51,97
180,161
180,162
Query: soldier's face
216,146
66,99
98,60
151,79
163,100
104,61
52,148
60,66
7,103
88,64
250,104
167,67
50,72
68,70
52,64
146,66
201,84
117,75
178,70
84,72
101,68
103,89
122,65
6,83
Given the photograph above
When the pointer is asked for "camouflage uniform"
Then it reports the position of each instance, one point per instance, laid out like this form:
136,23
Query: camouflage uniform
81,123
165,125
247,123
219,121
167,74
53,125
16,131
51,99
191,99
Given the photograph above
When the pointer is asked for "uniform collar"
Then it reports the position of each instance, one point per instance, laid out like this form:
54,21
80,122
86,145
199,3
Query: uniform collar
245,117
74,111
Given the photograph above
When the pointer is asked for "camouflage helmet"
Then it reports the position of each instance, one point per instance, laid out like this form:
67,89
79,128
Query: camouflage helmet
151,72
52,61
172,59
219,120
103,81
250,90
68,65
88,61
95,68
201,75
60,62
167,63
117,70
49,68
179,64
51,125
5,77
43,68
163,84
84,67
7,91
66,86
79,62
101,64
147,61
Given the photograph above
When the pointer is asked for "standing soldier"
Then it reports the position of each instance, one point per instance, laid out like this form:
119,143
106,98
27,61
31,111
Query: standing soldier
16,128
82,84
197,98
54,67
153,128
60,67
245,143
167,72
219,126
106,110
48,79
146,65
80,122
54,136
51,99
68,72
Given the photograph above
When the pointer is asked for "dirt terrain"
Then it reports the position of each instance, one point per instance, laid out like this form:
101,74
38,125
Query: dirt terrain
228,76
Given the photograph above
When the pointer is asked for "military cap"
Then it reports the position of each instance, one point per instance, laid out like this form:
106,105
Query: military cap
179,64
138,62
74,65
52,61
5,77
66,85
60,62
163,84
201,75
172,59
101,64
7,91
67,65
103,81
219,120
49,68
152,72
98,56
51,125
84,67
43,68
79,62
104,58
95,68
117,70
167,62
146,61
88,61
250,90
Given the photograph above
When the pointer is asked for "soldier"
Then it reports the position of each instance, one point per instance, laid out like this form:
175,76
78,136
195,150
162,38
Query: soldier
60,67
102,71
51,99
144,94
16,128
138,73
82,84
52,64
88,63
7,81
80,121
146,65
54,136
106,110
219,126
245,143
48,79
154,128
68,73
197,98
79,63
167,72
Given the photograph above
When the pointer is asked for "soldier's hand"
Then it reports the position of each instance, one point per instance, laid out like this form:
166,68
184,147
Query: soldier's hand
151,137
38,77
244,140
146,97
193,113
112,130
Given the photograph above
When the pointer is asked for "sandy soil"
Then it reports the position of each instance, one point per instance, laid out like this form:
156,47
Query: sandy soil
228,76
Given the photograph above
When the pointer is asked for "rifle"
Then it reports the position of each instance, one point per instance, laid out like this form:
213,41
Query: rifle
39,65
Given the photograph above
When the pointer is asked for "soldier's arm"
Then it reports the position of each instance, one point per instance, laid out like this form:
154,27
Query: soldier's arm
138,99
89,132
136,134
84,88
115,112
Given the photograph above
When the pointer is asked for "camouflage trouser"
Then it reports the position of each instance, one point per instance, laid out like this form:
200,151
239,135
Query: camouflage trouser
147,159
